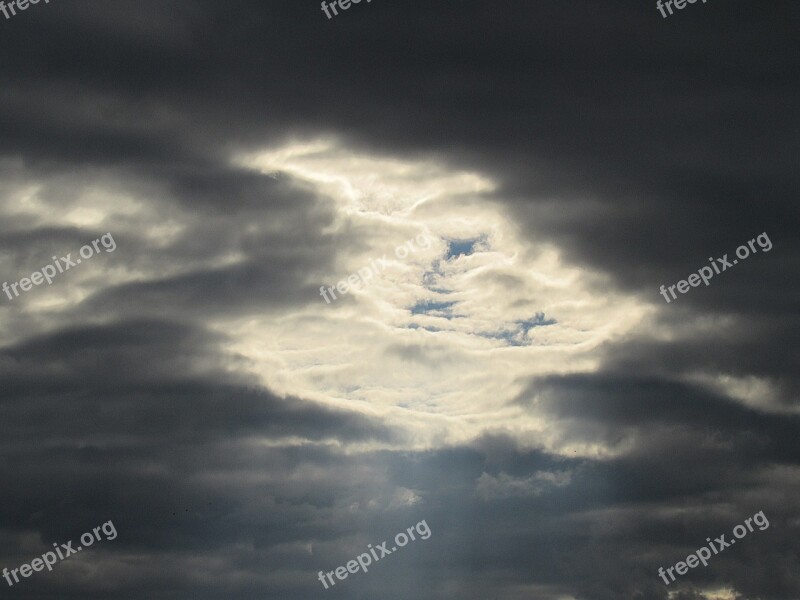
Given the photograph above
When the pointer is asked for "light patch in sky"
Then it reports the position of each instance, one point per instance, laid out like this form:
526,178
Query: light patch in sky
489,487
755,392
443,375
712,594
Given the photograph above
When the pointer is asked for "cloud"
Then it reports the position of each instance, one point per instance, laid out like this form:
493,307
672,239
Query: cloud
519,384
506,486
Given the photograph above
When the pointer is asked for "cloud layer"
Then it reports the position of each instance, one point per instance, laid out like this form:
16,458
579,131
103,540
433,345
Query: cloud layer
517,381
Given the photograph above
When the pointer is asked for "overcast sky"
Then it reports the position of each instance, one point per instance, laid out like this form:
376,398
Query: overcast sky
513,377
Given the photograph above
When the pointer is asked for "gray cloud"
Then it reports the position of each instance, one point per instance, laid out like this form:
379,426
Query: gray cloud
635,146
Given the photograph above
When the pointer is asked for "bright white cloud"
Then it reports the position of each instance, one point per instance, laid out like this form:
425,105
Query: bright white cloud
485,320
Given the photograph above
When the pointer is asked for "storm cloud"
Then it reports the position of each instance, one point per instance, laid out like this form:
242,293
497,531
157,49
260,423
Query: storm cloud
519,384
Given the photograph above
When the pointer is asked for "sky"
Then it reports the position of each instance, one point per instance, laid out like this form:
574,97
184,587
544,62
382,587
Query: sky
280,286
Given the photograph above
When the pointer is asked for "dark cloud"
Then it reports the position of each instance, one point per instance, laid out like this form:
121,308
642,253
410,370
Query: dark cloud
638,146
